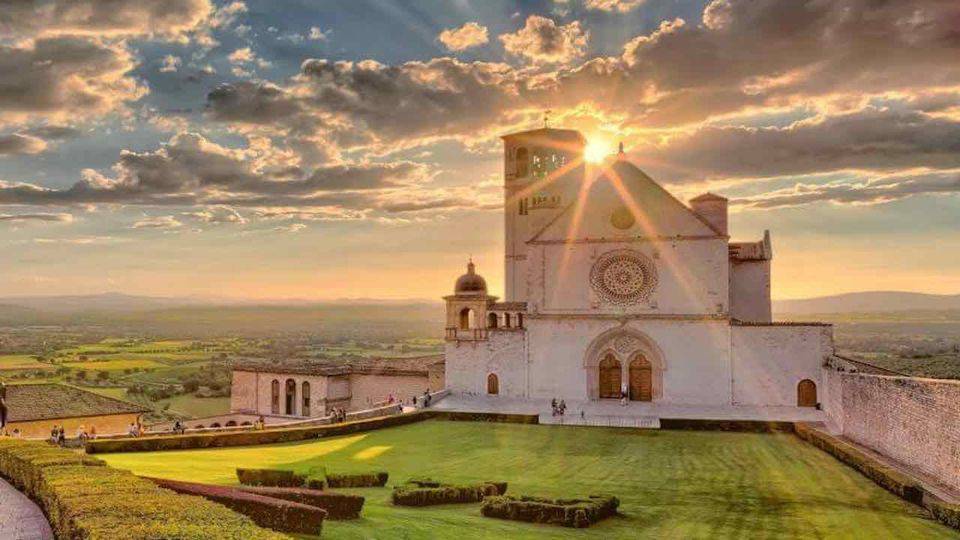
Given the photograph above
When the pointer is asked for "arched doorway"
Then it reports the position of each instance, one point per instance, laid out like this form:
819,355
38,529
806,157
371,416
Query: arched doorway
291,395
275,397
807,393
466,319
492,320
641,379
305,398
493,384
610,375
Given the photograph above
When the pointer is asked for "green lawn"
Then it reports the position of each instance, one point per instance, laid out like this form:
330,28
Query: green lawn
21,361
672,484
195,407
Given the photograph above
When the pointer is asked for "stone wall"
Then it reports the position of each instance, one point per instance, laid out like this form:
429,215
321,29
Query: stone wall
914,421
113,424
770,360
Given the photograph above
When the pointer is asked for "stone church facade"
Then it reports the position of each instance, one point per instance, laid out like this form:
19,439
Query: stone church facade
615,287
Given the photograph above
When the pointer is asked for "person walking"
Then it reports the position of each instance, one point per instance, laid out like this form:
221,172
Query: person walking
3,405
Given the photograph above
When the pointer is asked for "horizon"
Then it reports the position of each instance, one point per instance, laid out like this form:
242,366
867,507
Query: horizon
235,150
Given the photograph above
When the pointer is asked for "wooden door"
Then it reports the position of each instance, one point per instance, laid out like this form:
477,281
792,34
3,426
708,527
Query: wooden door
610,377
641,380
807,393
493,384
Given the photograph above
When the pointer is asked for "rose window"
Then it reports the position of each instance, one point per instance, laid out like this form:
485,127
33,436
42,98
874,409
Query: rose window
623,277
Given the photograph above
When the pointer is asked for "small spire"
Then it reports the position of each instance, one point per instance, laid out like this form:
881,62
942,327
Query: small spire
546,118
620,152
471,268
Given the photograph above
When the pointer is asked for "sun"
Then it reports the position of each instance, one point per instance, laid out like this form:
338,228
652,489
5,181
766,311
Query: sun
596,151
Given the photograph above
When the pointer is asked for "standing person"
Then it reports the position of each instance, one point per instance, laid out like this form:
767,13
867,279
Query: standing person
563,407
93,432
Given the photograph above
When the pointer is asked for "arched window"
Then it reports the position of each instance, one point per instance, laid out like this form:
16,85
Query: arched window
506,320
275,397
807,393
519,320
305,409
199,426
493,384
523,162
291,398
610,376
466,319
231,423
492,320
215,425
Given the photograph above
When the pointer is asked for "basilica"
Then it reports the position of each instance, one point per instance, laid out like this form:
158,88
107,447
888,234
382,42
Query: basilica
617,290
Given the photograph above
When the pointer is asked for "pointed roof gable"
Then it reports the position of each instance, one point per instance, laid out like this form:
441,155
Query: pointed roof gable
623,185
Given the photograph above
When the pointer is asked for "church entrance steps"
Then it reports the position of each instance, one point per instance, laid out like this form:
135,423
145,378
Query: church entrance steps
604,420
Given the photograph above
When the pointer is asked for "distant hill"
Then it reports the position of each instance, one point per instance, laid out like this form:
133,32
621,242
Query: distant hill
869,301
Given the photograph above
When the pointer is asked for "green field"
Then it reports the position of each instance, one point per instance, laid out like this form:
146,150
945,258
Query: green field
672,484
20,361
195,407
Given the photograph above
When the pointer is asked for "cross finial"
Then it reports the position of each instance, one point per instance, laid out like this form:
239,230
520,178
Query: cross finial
546,118
621,149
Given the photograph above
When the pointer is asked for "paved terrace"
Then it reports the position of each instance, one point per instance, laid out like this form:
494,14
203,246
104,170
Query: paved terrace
20,518
634,414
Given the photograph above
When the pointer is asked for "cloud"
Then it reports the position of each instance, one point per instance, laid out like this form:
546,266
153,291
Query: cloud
217,214
291,228
158,222
469,35
18,143
619,6
79,240
168,19
64,78
190,170
870,138
241,56
317,34
868,191
542,41
41,217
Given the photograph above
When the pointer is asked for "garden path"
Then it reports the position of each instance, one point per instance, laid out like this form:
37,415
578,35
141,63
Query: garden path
20,518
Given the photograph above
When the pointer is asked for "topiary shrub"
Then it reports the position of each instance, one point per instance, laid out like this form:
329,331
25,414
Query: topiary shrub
84,499
578,513
277,514
270,477
426,492
337,505
375,479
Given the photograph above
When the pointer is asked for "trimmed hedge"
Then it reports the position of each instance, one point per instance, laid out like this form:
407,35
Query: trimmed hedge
249,438
270,477
337,505
751,426
506,418
277,514
948,514
84,499
578,513
430,492
374,479
886,477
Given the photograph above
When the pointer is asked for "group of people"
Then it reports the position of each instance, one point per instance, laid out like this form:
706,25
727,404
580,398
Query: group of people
425,400
339,415
135,429
559,407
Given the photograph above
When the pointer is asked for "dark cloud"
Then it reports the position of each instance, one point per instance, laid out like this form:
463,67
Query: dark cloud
872,191
53,132
543,41
869,138
18,143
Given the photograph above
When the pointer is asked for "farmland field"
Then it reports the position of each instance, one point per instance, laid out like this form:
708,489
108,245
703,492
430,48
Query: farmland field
672,484
20,361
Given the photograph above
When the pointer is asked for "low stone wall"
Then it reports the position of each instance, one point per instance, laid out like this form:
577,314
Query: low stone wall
911,420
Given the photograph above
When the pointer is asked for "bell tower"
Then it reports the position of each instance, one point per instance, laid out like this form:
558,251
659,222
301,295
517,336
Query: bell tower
542,173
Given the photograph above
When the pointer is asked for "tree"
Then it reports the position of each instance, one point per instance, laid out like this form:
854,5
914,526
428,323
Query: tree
103,375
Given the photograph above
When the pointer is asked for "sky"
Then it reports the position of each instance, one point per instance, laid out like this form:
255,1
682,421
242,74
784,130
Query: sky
350,148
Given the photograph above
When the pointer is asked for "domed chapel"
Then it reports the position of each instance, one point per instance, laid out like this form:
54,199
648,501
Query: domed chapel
616,289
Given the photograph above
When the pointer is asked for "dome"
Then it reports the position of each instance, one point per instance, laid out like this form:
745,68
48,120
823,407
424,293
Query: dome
471,282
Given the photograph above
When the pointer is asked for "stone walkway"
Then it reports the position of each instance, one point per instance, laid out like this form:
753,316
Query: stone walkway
20,518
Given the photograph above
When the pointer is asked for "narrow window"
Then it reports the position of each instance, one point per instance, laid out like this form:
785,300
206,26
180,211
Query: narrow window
291,395
506,320
305,410
523,162
275,397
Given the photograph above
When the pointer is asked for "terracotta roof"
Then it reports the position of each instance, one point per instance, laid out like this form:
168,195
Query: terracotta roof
547,133
417,366
48,401
737,322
